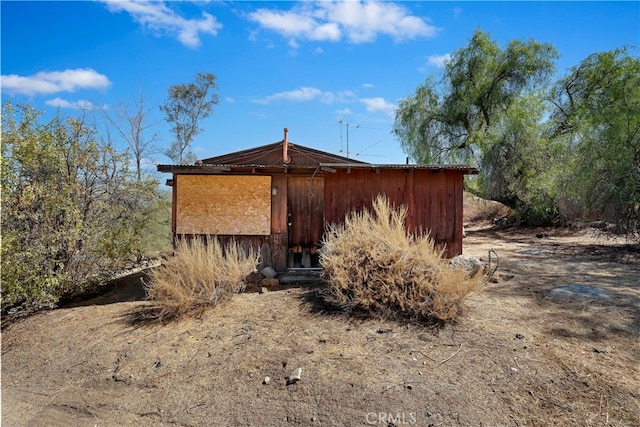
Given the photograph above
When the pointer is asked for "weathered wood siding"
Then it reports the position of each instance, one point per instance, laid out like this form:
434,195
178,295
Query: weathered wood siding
305,206
433,199
300,208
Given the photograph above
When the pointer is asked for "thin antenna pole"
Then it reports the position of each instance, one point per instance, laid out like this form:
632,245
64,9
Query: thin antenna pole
357,126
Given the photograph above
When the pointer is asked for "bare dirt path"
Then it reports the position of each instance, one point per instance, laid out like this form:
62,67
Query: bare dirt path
517,357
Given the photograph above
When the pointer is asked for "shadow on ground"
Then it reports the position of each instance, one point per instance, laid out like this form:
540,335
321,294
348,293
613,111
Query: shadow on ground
540,262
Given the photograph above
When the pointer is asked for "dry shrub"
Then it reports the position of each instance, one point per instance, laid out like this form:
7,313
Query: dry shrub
373,265
201,273
477,209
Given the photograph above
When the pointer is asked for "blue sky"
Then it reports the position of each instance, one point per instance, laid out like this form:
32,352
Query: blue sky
301,65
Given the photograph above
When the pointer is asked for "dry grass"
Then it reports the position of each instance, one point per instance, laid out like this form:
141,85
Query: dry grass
201,273
373,265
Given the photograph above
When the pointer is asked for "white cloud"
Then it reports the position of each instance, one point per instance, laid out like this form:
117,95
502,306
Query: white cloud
230,100
378,104
297,95
438,60
318,51
457,11
368,86
305,94
80,104
156,16
357,21
48,82
343,112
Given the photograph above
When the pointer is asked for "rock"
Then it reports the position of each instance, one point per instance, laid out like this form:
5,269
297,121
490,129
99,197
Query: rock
266,381
534,251
601,225
294,377
467,263
269,272
579,292
254,278
269,283
251,288
264,290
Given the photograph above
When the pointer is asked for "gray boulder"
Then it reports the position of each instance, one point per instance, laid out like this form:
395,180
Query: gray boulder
471,265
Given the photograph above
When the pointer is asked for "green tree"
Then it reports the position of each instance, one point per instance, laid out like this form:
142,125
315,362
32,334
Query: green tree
518,165
187,104
597,119
70,207
484,112
449,120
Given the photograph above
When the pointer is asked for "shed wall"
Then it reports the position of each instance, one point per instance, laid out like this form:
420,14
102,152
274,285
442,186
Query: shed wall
433,199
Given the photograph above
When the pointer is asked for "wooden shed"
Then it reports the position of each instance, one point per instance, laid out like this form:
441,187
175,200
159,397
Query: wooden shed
281,196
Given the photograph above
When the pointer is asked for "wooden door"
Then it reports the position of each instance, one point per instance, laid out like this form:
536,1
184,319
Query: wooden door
305,220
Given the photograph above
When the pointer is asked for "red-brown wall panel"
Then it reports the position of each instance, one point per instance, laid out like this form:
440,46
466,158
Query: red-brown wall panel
431,197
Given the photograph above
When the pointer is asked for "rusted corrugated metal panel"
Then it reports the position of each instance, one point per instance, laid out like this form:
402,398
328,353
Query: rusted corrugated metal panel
223,204
306,160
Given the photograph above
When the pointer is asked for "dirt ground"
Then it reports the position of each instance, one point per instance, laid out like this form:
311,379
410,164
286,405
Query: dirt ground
517,357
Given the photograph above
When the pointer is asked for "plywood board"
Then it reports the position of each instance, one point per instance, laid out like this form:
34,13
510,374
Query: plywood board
223,204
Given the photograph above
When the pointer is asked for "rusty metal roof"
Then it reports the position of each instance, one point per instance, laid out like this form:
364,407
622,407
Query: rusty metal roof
463,168
269,157
220,168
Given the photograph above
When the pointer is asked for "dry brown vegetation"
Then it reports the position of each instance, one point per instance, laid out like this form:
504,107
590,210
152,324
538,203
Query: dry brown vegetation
201,273
374,266
516,358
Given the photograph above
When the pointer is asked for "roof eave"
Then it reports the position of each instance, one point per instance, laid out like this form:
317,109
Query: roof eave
210,169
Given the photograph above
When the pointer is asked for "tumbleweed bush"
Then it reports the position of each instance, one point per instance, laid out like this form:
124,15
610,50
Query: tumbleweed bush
373,265
201,273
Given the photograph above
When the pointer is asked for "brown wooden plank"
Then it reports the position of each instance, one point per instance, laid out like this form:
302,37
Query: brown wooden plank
358,195
330,208
421,187
458,189
442,210
315,206
305,200
434,214
174,192
279,204
409,177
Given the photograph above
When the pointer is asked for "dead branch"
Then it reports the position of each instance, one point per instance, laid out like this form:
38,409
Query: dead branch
447,359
